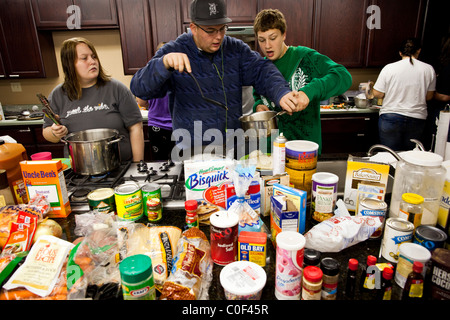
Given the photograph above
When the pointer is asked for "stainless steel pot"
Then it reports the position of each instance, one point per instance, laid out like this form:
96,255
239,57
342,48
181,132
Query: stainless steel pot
94,151
264,120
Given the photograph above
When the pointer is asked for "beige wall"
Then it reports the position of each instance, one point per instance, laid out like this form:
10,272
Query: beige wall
107,44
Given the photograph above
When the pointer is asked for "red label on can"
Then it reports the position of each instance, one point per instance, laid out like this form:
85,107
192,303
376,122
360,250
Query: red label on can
224,244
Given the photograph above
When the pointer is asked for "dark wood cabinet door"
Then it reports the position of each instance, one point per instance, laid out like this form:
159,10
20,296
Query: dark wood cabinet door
98,13
54,14
340,30
299,19
399,20
51,14
135,34
165,19
25,52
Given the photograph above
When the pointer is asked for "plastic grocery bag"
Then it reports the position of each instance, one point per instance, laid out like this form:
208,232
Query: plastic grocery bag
340,232
242,173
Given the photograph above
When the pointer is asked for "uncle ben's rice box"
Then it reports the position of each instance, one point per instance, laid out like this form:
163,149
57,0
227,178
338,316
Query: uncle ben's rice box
47,178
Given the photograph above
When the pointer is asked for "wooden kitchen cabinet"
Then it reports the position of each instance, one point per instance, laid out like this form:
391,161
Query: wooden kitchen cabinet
143,24
24,52
348,133
30,136
400,19
299,19
53,15
341,31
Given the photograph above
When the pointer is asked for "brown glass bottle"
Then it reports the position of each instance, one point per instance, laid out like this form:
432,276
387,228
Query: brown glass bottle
414,283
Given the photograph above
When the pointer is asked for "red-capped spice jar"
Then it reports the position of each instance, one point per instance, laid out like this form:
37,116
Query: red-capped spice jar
191,213
312,283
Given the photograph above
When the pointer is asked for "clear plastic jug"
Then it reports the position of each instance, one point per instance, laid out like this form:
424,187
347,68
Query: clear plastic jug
10,156
419,172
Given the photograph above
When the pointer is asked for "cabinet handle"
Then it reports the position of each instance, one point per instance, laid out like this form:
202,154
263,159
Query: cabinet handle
360,135
14,76
25,130
2,75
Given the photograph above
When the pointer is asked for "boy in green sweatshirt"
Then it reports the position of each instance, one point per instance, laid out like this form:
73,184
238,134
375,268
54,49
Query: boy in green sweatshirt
315,77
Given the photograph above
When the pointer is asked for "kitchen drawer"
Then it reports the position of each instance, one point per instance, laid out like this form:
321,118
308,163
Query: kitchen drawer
22,134
345,125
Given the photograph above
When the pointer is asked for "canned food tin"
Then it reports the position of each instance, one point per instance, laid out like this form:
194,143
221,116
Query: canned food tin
429,237
323,195
375,208
128,198
152,208
102,200
397,231
224,237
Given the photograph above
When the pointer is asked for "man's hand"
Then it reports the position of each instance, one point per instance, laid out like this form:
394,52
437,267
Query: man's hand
302,100
262,107
289,102
178,61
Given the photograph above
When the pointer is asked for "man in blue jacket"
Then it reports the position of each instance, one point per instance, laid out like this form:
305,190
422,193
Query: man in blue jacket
222,65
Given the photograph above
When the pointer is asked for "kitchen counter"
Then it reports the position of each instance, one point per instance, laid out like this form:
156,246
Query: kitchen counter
359,251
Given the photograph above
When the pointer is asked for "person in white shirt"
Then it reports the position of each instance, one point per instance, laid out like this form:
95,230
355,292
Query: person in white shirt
405,87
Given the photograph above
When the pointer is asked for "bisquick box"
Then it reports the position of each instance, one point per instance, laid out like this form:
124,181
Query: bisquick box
206,180
364,179
287,211
47,178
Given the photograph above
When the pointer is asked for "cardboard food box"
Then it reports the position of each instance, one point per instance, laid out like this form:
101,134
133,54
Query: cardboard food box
364,179
47,178
206,180
288,210
266,189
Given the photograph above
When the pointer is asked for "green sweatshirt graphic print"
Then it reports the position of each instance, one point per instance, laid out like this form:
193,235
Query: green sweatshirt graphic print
319,78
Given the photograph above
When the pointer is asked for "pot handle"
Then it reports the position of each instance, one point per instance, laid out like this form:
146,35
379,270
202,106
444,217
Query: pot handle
116,140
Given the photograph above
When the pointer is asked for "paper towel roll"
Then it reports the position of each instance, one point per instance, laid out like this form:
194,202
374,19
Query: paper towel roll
442,134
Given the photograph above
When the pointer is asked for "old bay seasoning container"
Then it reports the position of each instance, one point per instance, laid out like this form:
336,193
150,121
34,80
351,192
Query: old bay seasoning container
151,201
102,200
128,197
137,278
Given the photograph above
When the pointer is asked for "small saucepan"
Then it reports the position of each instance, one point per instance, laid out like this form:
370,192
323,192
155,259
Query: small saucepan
264,120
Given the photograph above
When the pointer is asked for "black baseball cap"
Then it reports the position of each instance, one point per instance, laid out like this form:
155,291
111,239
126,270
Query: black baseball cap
209,12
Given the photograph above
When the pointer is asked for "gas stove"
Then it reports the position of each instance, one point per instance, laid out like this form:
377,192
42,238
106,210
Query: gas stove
169,175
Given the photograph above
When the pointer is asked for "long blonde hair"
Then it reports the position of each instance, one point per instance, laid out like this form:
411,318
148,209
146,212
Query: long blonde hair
71,84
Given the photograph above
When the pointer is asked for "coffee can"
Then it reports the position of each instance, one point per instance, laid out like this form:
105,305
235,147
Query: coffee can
102,200
396,232
323,195
151,200
224,237
375,208
430,237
